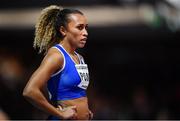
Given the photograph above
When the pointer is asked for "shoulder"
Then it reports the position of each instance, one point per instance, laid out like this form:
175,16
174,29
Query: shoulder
53,59
54,54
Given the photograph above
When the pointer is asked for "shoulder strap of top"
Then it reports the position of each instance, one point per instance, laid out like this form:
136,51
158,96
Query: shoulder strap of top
60,48
63,54
80,58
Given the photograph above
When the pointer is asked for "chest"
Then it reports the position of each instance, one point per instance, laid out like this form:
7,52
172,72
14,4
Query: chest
75,75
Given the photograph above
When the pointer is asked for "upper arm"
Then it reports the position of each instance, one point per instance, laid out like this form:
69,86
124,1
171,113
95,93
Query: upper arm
50,64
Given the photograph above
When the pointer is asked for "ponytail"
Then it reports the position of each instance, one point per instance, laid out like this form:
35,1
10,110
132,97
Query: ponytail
47,27
45,32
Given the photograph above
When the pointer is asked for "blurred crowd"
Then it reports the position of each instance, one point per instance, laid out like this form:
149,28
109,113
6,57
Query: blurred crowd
13,78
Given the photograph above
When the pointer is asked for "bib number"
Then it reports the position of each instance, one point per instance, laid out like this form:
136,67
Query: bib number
82,70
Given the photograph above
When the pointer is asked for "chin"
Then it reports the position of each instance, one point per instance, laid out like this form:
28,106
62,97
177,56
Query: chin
81,45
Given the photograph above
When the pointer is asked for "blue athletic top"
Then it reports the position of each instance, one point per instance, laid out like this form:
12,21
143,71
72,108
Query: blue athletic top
63,85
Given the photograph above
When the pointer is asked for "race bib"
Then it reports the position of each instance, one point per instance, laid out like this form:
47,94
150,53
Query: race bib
82,70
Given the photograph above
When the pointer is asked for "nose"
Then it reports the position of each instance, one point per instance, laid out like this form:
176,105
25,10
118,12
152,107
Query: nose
85,33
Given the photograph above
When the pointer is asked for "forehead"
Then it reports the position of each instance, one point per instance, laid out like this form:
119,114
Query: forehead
77,19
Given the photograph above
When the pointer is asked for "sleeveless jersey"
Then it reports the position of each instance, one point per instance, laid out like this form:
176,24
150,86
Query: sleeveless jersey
71,81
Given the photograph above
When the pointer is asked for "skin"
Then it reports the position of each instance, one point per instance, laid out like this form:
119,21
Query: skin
75,35
3,116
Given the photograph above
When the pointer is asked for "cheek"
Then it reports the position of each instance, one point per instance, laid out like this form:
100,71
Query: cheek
75,35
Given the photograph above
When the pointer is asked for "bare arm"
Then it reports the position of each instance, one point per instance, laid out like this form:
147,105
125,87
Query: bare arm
36,86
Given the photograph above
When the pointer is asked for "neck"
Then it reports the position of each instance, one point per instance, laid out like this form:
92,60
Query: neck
70,49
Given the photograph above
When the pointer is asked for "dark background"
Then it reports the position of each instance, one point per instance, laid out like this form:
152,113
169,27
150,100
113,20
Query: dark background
134,69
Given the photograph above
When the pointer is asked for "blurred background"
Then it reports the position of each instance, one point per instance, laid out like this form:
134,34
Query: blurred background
132,53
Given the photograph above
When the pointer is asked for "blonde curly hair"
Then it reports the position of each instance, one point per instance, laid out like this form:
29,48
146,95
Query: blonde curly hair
45,32
47,27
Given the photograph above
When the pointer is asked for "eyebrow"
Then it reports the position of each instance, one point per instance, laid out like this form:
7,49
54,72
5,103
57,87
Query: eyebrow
83,24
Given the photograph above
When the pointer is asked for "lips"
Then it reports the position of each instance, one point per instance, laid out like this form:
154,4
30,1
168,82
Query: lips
83,40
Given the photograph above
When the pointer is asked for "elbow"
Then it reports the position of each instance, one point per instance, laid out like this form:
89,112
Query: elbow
27,93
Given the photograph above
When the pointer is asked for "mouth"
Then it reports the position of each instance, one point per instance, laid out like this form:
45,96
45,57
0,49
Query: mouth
83,40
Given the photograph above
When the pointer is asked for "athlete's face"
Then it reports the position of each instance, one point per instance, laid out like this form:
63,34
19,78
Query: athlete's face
76,31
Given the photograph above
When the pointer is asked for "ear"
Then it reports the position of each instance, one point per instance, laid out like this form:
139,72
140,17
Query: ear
62,30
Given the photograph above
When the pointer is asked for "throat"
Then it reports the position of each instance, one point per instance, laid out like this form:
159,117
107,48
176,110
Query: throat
71,52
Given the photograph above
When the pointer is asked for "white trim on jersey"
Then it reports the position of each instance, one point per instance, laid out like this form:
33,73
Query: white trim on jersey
81,60
70,56
63,63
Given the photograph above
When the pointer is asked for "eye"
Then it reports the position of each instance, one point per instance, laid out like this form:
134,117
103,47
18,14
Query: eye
86,27
80,27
